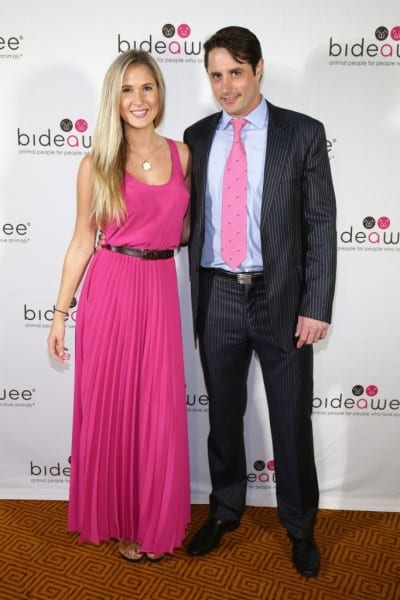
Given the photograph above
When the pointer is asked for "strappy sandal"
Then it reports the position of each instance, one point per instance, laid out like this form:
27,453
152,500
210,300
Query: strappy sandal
130,551
155,557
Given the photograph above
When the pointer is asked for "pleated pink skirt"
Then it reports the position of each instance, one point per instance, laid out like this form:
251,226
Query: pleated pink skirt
130,468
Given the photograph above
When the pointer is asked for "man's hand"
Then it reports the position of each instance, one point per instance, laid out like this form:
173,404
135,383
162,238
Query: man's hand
309,331
101,240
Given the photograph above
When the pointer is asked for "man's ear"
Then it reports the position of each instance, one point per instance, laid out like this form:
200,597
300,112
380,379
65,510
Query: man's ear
260,69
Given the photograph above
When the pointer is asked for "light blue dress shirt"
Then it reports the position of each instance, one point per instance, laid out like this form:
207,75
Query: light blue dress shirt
254,136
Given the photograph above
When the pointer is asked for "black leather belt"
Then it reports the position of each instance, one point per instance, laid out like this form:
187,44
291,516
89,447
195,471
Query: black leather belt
145,254
243,278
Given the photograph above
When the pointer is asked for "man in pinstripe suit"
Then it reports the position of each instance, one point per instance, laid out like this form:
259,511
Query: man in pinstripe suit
276,303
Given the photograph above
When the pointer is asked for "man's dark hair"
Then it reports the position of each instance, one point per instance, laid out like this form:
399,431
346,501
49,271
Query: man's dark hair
241,43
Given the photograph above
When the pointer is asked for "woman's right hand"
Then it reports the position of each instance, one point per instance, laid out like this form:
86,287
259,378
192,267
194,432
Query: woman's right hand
55,340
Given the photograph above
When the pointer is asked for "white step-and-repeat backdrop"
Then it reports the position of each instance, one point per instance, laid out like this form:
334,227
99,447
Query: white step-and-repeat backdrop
339,62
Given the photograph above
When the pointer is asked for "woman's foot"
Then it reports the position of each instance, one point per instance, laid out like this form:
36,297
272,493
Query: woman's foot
130,551
155,557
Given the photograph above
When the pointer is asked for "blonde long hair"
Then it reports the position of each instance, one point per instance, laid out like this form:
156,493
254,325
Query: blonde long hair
109,152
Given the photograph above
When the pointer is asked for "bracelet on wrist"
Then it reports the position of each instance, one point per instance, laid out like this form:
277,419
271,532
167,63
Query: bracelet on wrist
61,311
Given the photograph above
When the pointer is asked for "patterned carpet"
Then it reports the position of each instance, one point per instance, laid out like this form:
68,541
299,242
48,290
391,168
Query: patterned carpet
39,561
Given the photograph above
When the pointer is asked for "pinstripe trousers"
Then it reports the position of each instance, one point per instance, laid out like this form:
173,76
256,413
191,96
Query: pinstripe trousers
232,324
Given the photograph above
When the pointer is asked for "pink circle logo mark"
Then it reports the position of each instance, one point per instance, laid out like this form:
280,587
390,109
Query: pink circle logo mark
395,33
383,222
81,125
371,390
184,30
271,465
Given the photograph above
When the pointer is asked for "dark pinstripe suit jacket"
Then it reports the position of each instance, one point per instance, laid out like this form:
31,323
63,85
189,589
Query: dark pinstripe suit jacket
298,219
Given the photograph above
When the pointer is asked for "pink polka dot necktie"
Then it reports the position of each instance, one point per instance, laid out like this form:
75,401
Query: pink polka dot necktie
234,200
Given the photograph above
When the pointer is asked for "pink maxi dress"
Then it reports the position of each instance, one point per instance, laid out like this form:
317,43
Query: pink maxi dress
129,459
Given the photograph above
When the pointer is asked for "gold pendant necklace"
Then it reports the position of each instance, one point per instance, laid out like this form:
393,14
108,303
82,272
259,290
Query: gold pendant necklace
146,165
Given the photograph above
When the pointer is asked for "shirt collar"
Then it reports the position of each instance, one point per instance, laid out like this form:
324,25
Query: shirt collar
258,117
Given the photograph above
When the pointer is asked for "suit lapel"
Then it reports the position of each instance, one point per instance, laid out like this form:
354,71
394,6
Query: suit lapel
202,155
278,141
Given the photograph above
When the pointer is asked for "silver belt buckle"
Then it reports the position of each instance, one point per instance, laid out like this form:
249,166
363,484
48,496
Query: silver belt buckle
244,278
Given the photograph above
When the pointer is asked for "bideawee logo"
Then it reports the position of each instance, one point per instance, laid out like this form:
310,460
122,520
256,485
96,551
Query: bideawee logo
172,45
384,51
42,317
17,397
70,139
57,473
263,476
12,232
367,401
372,235
11,46
330,147
197,402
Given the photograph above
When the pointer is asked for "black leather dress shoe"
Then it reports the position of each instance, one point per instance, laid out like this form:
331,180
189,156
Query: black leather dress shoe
209,536
306,556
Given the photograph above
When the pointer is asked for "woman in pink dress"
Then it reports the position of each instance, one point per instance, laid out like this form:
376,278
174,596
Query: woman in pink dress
129,472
